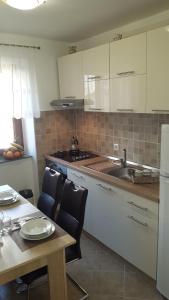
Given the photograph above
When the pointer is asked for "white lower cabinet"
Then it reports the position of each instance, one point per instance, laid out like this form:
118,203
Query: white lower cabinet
124,222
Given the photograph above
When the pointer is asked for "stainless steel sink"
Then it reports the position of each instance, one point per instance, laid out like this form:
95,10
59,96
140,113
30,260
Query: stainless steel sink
120,172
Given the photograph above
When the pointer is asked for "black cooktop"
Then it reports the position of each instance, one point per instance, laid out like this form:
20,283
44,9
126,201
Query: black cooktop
73,155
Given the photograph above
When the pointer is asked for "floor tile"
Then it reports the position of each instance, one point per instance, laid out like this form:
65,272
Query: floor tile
104,275
140,286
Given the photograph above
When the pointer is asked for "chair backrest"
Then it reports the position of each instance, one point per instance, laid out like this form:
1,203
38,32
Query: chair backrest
53,183
50,197
72,211
47,205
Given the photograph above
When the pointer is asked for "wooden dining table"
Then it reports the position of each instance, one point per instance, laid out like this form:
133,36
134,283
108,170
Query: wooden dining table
16,261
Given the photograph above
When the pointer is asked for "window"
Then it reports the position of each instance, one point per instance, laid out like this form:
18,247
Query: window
18,92
6,132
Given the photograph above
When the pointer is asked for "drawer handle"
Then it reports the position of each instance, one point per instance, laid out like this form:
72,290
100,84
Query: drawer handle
70,97
137,221
78,176
125,73
93,77
90,108
104,187
125,109
160,110
138,206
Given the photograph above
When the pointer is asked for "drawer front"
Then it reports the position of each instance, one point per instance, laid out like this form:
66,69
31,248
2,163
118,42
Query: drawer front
77,177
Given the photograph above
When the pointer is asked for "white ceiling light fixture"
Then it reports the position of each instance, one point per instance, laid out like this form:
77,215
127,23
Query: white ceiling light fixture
24,4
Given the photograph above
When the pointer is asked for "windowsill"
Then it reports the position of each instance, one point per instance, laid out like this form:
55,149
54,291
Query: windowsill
3,160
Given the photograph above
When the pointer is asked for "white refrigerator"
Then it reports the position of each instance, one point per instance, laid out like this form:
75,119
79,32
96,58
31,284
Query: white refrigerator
163,239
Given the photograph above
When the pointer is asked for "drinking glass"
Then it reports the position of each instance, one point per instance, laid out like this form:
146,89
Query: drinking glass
7,224
1,223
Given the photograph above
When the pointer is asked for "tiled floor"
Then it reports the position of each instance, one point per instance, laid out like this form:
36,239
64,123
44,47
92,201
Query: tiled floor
102,273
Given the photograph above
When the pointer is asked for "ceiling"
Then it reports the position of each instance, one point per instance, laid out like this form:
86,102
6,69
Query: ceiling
74,20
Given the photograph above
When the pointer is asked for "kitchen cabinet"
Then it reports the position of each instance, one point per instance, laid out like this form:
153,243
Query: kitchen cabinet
128,94
128,74
158,70
96,79
128,56
70,76
96,63
122,221
96,95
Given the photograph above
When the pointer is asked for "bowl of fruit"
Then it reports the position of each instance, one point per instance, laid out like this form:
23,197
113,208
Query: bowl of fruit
14,152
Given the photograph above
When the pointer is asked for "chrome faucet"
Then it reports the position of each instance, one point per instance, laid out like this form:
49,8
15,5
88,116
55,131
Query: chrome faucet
124,160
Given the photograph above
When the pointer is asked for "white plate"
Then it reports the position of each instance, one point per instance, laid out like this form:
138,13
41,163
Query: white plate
7,194
6,198
14,200
38,238
36,227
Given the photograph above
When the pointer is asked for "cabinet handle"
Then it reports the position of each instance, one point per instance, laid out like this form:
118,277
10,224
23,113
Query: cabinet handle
93,77
78,176
162,110
97,109
137,221
104,187
125,109
138,206
70,97
126,73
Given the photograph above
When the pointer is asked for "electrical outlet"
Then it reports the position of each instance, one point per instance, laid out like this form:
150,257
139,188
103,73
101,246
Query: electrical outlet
116,147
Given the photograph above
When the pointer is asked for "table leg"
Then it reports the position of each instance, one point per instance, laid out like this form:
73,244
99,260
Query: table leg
57,276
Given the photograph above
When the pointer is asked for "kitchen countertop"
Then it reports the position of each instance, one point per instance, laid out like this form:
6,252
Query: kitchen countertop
146,190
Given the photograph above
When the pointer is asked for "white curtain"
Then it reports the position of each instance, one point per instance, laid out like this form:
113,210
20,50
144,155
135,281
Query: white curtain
18,84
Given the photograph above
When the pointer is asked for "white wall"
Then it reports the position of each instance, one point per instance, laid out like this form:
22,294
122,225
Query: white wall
18,174
46,64
142,25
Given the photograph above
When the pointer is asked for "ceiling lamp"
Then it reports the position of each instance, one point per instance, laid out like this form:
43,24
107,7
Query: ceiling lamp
24,4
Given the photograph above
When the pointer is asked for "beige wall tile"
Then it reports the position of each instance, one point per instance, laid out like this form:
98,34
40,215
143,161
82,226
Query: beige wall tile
140,134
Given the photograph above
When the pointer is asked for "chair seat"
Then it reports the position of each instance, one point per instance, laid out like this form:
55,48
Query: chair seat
30,277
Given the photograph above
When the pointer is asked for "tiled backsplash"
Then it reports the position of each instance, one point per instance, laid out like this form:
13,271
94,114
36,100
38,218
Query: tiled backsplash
53,130
140,134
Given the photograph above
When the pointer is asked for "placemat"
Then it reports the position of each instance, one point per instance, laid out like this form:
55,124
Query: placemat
25,244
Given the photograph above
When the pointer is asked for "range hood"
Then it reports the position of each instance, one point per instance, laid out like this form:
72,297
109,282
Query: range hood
67,104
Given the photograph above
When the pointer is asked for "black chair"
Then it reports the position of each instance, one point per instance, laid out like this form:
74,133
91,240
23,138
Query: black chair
52,188
71,219
53,183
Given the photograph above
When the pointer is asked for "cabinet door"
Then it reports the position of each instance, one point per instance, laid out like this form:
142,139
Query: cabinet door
70,76
158,70
107,225
128,94
128,56
96,63
97,96
140,226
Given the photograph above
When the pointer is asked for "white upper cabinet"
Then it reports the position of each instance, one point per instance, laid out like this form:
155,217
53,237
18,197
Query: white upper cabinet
128,94
128,74
71,76
128,56
96,95
158,70
96,63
